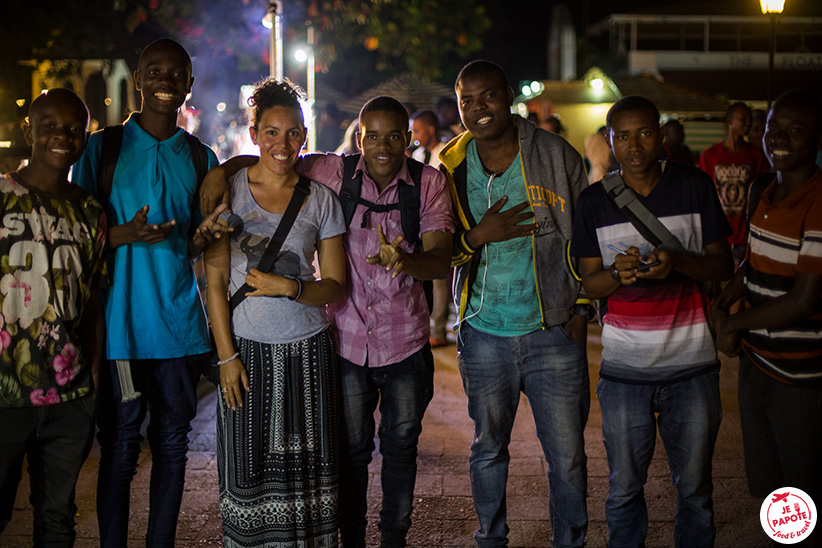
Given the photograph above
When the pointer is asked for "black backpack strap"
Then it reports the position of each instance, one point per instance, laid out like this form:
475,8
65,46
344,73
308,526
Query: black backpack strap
109,153
269,257
409,197
410,205
351,187
199,158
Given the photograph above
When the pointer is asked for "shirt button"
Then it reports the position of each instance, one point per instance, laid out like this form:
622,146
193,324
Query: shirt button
368,283
766,215
369,308
369,331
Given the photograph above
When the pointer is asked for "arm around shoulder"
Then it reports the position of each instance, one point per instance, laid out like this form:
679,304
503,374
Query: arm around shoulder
214,189
330,288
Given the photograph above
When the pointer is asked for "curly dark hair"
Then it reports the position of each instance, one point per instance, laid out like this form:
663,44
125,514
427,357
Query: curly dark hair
271,93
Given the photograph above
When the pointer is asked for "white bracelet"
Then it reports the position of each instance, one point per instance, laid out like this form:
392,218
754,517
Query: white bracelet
234,357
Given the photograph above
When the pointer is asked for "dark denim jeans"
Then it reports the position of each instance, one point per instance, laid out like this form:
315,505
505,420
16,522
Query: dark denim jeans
169,388
551,369
688,414
403,391
781,434
56,439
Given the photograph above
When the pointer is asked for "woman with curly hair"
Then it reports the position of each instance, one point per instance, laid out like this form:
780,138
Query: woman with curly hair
277,419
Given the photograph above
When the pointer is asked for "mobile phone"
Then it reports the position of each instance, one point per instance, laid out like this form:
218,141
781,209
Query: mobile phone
231,219
645,266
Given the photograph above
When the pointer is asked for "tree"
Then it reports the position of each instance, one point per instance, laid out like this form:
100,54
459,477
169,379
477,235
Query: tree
414,35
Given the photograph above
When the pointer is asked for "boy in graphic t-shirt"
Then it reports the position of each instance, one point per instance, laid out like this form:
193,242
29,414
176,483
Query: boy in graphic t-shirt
51,246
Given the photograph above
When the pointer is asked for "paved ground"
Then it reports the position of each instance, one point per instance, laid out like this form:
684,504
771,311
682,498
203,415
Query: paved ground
443,513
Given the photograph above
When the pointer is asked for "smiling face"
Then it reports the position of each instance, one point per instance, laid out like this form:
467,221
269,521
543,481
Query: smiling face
163,77
484,102
635,139
383,138
56,130
280,134
792,136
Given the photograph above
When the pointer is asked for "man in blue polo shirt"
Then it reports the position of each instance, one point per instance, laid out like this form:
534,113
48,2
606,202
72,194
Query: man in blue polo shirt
157,332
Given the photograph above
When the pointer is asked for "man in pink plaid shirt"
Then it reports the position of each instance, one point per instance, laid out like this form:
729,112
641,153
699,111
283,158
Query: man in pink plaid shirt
382,326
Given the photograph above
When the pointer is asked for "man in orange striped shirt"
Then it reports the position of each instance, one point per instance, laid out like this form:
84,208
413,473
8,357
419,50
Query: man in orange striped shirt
780,328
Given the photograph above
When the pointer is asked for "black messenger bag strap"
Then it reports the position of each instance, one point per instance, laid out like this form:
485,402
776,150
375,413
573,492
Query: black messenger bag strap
643,220
273,249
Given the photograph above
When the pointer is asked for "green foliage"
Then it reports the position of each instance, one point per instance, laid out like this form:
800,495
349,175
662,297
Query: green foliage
26,371
10,392
415,35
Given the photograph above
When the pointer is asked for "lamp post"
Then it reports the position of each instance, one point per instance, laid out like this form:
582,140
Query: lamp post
307,56
771,8
271,21
311,90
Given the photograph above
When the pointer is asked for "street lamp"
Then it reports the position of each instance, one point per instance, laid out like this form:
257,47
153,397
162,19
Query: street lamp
306,56
271,21
771,8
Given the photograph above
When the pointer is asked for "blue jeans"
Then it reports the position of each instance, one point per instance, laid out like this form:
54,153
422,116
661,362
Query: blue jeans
169,387
551,369
56,439
403,391
688,414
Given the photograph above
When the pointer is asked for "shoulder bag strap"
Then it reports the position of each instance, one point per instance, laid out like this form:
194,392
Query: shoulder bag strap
273,249
643,220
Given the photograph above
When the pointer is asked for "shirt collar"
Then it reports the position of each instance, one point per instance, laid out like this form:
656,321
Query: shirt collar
403,174
143,140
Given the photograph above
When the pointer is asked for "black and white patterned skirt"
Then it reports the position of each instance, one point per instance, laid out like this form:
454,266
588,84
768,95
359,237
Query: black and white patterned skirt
278,453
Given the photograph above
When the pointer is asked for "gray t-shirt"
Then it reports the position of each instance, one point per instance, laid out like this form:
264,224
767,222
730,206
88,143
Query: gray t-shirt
277,320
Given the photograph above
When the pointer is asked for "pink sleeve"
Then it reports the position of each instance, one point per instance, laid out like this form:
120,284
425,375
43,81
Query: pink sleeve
326,169
435,207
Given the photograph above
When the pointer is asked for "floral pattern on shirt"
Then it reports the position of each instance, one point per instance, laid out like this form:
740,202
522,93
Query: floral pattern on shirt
51,249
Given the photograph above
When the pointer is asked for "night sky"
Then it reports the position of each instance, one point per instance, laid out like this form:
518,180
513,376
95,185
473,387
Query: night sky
518,39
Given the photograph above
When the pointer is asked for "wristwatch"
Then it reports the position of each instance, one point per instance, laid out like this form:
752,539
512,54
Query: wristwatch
615,273
585,310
